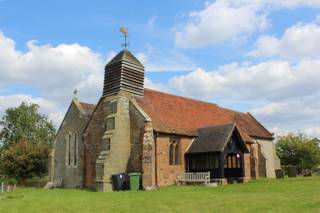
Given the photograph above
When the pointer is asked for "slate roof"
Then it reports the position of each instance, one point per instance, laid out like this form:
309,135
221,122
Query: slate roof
181,115
213,138
125,55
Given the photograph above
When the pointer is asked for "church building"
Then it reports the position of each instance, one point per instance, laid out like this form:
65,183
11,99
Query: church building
160,135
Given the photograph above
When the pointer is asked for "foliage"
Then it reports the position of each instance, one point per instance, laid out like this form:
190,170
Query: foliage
24,160
37,182
25,122
6,180
299,151
264,195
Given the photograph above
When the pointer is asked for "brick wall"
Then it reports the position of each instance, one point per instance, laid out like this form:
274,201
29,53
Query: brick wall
92,137
167,174
247,166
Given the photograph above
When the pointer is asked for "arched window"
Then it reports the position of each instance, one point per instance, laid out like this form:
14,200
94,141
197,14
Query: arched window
232,161
174,152
171,151
75,149
69,148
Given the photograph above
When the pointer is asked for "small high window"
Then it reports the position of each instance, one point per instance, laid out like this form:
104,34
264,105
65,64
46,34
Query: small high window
111,107
110,123
105,144
174,152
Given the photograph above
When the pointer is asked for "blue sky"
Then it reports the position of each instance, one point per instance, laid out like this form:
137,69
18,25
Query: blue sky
249,55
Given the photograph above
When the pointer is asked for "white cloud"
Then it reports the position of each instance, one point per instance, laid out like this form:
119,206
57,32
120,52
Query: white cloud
220,21
224,20
298,41
270,80
293,113
281,94
312,131
46,107
56,71
53,71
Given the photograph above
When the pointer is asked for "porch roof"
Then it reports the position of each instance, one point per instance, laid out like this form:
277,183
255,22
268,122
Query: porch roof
214,138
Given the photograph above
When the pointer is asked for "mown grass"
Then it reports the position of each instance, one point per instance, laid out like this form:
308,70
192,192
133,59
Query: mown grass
264,195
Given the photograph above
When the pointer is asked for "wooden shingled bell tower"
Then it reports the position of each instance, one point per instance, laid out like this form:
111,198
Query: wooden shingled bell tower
124,73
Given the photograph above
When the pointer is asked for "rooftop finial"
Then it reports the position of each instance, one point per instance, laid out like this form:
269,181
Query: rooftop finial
75,92
124,31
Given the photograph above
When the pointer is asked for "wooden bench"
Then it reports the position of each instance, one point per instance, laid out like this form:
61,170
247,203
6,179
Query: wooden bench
194,177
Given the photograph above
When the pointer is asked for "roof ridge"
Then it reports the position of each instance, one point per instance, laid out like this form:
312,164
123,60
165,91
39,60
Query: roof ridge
218,125
196,100
86,103
180,96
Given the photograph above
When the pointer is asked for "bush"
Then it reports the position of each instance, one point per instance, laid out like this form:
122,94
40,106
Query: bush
38,182
12,181
24,160
299,151
9,181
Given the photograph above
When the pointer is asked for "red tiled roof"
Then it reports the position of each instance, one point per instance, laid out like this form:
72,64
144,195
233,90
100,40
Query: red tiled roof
180,115
88,108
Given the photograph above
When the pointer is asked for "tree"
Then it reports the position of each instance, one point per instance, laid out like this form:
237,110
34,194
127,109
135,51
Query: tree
24,160
299,151
25,122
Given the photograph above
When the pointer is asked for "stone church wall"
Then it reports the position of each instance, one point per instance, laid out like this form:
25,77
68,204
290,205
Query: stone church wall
272,161
137,125
116,159
70,175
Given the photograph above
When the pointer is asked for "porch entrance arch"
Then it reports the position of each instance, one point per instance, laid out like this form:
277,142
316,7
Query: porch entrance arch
233,165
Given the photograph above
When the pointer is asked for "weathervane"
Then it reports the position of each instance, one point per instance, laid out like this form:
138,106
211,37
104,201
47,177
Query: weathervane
124,31
75,92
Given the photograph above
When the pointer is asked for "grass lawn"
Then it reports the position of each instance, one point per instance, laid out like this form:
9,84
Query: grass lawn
264,195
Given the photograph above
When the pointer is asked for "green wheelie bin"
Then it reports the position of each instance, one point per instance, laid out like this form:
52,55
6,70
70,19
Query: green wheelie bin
134,181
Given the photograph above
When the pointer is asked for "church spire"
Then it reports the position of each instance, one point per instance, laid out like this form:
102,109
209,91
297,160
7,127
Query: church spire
123,73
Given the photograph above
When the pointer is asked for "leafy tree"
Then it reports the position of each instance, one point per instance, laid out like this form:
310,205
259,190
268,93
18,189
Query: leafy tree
25,122
299,151
25,160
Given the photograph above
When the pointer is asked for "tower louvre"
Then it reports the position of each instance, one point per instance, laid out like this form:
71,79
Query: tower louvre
123,73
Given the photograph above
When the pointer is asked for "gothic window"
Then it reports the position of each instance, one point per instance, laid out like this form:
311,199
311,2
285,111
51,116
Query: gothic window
177,154
69,136
171,149
174,152
75,149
